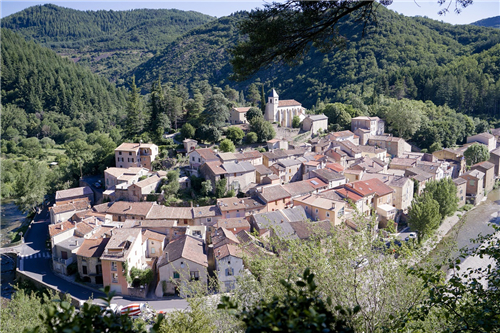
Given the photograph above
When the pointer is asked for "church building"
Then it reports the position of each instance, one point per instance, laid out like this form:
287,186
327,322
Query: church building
283,111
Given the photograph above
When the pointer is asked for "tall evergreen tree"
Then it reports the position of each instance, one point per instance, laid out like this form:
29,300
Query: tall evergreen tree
263,99
135,115
156,105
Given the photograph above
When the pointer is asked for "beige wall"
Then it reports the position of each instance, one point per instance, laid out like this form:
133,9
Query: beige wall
461,194
184,268
335,216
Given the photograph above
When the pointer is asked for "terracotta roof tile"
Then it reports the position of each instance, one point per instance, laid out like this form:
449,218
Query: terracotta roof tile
55,229
92,248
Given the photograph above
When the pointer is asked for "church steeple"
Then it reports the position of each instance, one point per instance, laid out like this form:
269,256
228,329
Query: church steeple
272,106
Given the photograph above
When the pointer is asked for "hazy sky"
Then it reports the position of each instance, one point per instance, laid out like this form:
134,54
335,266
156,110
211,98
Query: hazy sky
479,10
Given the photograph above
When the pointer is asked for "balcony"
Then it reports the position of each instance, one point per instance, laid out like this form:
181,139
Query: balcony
65,262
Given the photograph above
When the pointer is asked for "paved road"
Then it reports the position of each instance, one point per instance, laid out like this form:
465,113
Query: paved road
35,262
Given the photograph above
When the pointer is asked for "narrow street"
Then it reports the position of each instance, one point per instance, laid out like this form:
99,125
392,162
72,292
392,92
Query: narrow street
35,262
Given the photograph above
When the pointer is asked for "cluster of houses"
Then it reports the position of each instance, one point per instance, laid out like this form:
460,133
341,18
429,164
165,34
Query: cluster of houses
288,192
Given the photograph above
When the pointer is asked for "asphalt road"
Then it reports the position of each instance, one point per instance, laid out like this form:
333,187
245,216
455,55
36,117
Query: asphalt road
35,262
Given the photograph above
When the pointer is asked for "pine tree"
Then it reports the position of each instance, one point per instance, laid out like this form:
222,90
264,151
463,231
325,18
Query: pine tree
135,116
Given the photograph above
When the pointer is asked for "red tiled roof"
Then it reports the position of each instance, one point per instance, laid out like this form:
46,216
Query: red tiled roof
367,187
288,102
56,229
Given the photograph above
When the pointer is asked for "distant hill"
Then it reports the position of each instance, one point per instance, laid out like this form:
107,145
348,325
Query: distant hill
49,93
110,42
401,57
491,22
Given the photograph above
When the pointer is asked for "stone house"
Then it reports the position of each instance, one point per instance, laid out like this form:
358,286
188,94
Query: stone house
201,156
274,196
322,208
375,125
270,158
88,260
229,265
315,123
136,155
488,169
75,193
461,185
495,159
123,251
486,139
394,146
116,176
475,187
63,210
183,263
238,115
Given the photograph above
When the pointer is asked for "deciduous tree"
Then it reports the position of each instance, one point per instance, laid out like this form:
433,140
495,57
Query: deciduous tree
444,192
424,216
227,146
476,153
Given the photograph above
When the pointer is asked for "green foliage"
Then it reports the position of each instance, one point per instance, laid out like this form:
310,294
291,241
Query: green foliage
253,113
25,310
62,317
302,309
468,300
444,192
263,129
235,134
216,111
195,320
102,40
424,216
188,131
251,137
339,115
476,153
136,117
227,146
144,276
172,186
30,186
37,81
206,188
220,188
435,147
295,122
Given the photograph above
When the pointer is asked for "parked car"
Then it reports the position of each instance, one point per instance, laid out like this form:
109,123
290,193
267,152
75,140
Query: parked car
412,235
98,184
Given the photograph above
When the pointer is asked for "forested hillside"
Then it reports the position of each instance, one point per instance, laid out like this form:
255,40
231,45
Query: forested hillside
50,93
491,22
400,57
110,42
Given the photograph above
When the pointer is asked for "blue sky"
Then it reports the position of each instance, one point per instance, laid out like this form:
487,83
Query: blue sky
479,10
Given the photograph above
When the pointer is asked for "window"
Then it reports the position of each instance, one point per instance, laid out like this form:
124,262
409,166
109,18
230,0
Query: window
182,263
130,153
115,277
283,200
192,158
84,269
152,250
113,266
209,219
176,275
64,255
132,159
316,211
471,183
341,212
195,275
307,207
327,214
229,271
119,153
289,170
199,160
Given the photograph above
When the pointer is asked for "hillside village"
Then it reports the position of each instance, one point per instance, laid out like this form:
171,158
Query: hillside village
130,240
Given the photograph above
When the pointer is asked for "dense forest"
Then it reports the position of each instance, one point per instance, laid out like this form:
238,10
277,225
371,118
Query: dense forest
399,57
434,83
110,42
491,22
